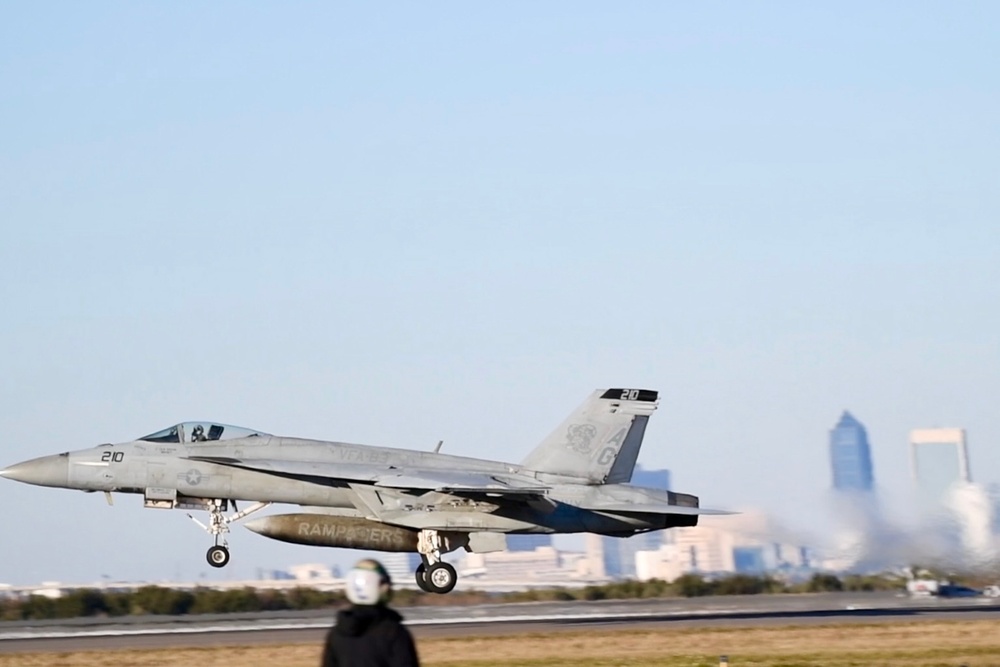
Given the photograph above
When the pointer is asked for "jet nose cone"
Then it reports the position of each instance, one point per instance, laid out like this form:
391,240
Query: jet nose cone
44,471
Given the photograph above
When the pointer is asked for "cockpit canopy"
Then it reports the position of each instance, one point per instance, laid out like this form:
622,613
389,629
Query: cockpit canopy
191,432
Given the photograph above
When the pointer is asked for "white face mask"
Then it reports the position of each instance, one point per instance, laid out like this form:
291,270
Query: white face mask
366,587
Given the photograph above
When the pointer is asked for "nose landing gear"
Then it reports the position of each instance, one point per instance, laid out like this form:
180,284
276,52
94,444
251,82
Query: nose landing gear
218,527
218,556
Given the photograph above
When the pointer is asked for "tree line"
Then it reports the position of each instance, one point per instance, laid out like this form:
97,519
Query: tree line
695,585
159,600
163,601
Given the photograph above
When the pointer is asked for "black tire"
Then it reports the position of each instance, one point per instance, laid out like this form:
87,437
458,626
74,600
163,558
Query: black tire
217,556
421,576
441,578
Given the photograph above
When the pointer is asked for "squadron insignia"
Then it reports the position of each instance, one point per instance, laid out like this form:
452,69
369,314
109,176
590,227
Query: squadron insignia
580,438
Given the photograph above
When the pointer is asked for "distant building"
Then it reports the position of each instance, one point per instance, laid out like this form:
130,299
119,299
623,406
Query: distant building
539,566
850,455
618,553
705,549
939,459
528,542
749,559
746,543
400,566
594,550
655,479
312,572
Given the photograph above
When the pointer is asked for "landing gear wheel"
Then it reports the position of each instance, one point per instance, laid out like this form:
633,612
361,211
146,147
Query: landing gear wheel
441,577
218,527
421,576
217,556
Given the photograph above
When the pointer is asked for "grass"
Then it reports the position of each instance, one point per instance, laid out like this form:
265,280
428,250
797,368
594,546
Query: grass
913,644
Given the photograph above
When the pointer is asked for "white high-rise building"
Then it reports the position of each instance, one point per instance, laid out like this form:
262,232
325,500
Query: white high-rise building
959,513
939,459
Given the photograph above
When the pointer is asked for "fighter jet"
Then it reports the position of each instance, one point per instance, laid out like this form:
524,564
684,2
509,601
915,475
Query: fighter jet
379,498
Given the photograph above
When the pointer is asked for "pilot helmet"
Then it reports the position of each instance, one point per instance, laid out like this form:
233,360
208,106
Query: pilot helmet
368,583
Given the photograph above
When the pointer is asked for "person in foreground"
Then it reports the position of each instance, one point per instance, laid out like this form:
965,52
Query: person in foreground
368,633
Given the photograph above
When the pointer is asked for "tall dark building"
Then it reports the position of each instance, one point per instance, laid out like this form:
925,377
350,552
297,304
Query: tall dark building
657,479
850,455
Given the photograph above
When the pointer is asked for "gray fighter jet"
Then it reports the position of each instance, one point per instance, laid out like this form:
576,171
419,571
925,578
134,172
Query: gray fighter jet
364,497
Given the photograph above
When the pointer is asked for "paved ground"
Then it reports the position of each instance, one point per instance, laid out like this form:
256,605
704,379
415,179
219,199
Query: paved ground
501,620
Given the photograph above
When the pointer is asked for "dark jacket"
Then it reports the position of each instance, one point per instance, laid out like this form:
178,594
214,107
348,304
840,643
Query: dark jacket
369,636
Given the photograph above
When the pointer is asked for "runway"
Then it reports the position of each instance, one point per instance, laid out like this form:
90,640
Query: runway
493,620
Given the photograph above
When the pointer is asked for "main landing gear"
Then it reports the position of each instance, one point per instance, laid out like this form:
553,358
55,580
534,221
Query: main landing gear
433,575
218,527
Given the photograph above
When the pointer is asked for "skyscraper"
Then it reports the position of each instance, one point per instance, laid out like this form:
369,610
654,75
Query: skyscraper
850,455
939,458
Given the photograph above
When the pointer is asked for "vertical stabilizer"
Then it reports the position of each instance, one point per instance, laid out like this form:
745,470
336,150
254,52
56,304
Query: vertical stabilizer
600,441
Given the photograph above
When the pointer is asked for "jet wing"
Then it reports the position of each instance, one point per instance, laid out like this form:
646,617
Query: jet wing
392,477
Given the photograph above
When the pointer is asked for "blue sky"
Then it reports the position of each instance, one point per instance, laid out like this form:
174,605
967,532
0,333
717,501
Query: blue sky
400,224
